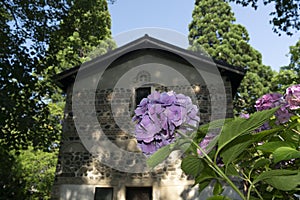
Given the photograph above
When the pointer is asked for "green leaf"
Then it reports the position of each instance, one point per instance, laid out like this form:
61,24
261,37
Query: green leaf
235,148
218,189
192,165
270,147
183,144
279,178
216,124
159,156
231,171
285,182
205,177
240,126
203,185
261,162
285,153
260,135
254,198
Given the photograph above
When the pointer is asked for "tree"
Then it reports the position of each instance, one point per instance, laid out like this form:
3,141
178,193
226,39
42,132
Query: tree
26,26
28,175
84,33
34,35
286,15
295,58
213,29
290,74
37,169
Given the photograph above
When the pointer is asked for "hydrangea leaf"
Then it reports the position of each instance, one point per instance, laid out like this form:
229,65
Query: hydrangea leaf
218,188
236,148
279,179
159,156
192,165
285,153
270,147
239,126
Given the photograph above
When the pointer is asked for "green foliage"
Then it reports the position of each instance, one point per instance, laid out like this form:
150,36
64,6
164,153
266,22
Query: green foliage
289,75
28,175
25,118
38,40
84,34
162,154
280,178
286,14
263,161
284,78
192,165
10,177
213,30
38,168
231,133
257,82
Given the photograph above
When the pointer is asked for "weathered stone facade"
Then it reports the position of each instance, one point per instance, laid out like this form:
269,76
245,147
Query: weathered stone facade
80,171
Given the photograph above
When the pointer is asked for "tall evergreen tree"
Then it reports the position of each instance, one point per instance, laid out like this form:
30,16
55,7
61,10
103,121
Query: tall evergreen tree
214,30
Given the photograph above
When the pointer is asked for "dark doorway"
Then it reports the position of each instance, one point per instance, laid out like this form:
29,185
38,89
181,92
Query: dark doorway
103,193
139,193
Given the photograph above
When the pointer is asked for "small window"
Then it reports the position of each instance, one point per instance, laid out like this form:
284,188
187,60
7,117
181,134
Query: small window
139,193
103,193
141,93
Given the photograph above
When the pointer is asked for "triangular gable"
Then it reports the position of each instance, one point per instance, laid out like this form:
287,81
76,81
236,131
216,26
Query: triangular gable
235,74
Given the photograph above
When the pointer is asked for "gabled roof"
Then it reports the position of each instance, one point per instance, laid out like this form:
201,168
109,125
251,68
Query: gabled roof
236,74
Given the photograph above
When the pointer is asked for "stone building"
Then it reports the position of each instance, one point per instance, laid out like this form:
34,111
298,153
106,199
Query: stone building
98,157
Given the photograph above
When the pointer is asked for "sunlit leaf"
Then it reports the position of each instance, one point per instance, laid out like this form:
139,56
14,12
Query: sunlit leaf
285,153
159,156
192,165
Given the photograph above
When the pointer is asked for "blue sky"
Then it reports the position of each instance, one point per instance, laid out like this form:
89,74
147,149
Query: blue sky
175,15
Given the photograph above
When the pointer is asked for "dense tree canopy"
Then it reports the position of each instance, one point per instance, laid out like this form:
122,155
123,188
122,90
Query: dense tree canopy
214,30
83,34
39,39
25,32
286,13
290,74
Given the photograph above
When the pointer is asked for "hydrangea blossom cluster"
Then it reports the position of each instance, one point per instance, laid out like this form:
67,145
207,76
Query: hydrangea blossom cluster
290,101
158,117
269,101
273,100
292,97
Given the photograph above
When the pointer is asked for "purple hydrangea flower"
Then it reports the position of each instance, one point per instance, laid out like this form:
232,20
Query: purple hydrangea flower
244,115
283,115
204,143
292,97
268,101
159,115
273,100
